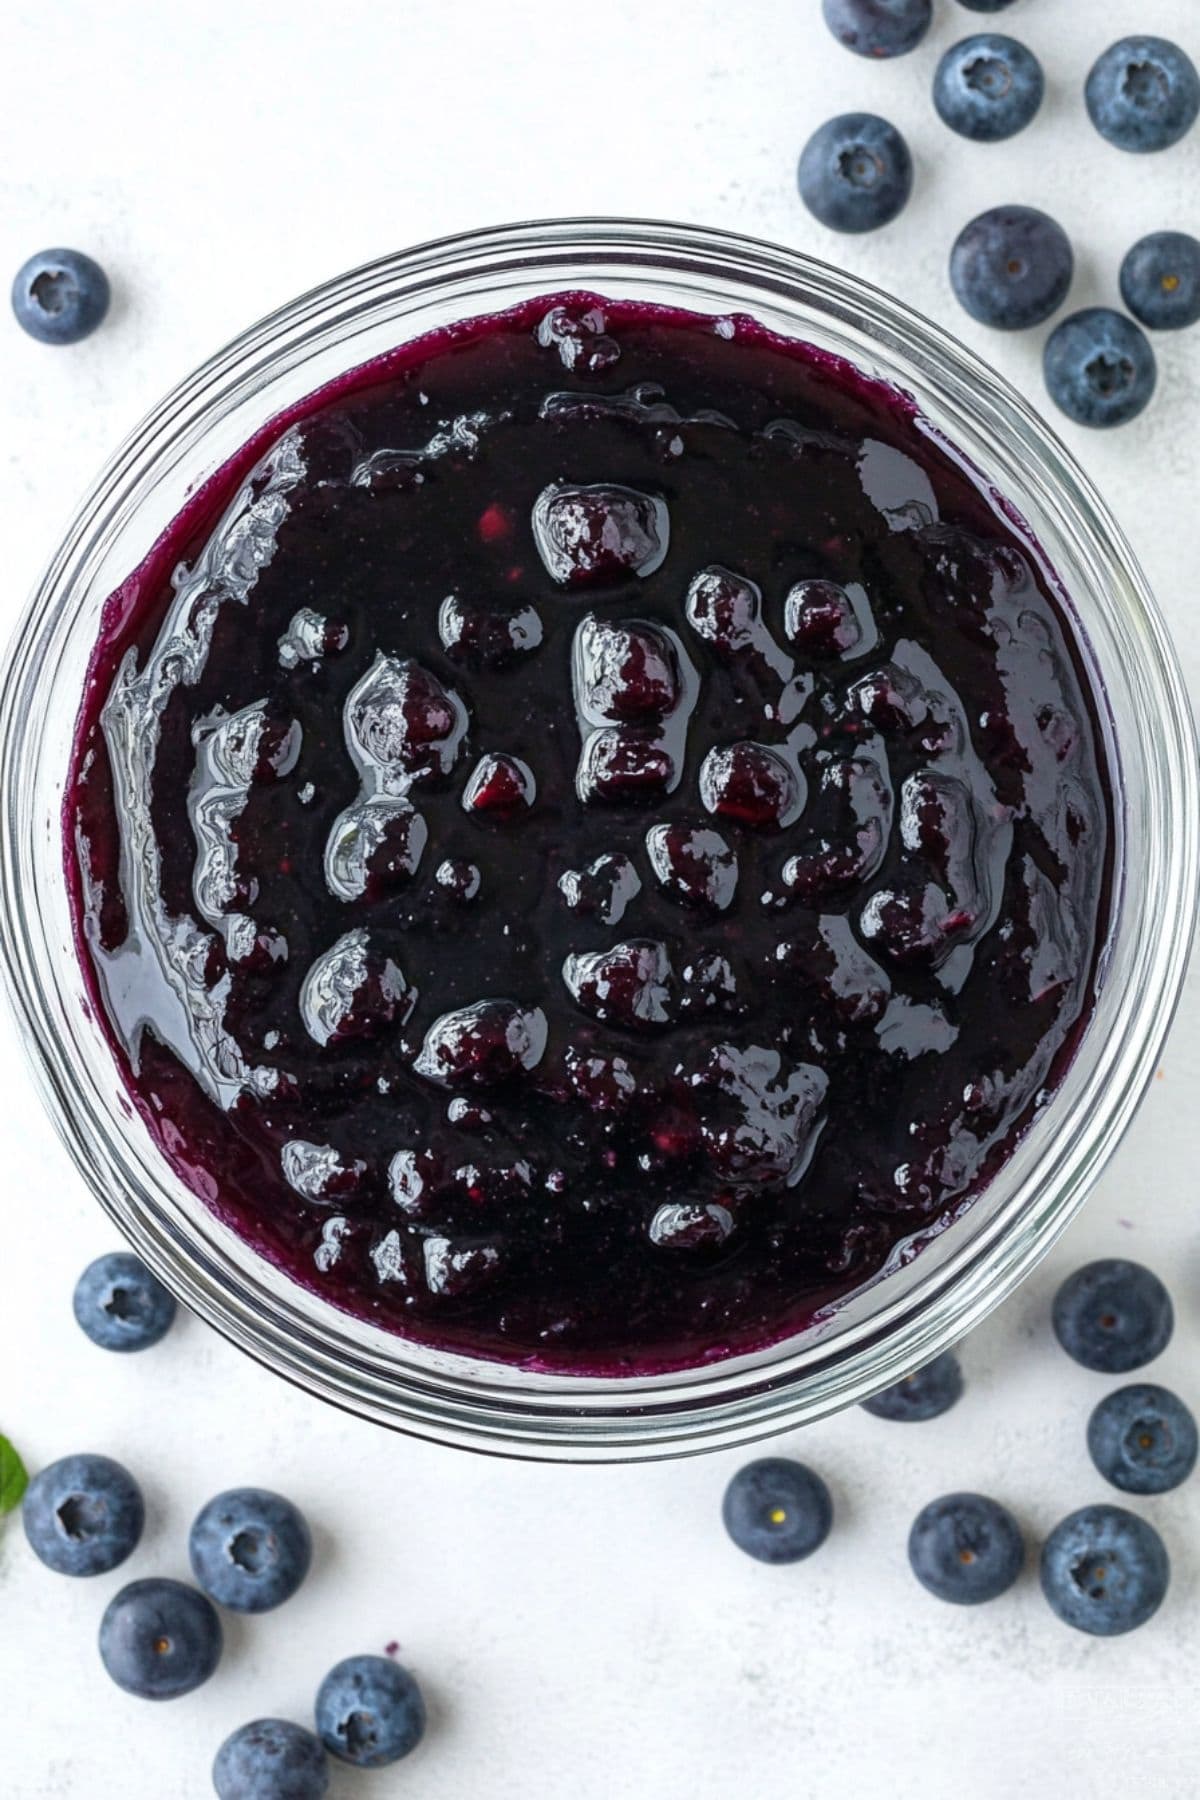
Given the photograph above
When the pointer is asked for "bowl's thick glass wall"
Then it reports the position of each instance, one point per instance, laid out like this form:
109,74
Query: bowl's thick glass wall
880,1332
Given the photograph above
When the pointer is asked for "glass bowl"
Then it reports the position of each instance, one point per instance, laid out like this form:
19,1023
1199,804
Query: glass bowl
878,1333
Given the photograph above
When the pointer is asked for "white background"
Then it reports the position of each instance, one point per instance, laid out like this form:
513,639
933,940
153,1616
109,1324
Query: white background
581,1632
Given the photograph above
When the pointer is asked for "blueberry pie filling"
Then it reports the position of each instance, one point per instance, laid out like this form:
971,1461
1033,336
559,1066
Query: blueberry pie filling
591,838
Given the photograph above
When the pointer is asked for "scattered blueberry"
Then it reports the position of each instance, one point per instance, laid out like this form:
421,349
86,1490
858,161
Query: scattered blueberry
271,1759
160,1639
1100,370
878,27
925,1394
83,1515
988,87
1011,267
250,1549
1143,94
120,1304
965,1548
370,1711
1160,280
856,173
1143,1439
985,6
1104,1570
1113,1316
777,1510
60,296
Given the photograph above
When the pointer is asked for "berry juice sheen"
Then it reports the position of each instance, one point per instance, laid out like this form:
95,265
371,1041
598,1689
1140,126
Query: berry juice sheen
591,837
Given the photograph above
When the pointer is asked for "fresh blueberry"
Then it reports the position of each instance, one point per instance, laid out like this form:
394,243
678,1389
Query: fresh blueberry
988,87
1113,1316
1104,1570
120,1304
925,1394
250,1549
1011,267
777,1511
160,1639
60,296
878,27
985,6
965,1548
856,173
370,1711
1160,280
271,1759
1143,94
83,1515
1143,1439
1101,371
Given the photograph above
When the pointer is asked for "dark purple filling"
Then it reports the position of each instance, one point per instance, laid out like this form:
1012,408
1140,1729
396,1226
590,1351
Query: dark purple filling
591,837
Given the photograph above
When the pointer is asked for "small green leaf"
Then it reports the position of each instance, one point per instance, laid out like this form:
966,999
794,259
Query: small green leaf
13,1479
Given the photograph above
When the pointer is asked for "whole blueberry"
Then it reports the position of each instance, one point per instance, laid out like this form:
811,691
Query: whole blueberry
1160,280
250,1549
160,1639
878,27
1143,1439
1143,94
988,87
1104,1570
370,1711
1101,371
1113,1316
777,1511
271,1759
965,1548
120,1304
924,1394
1011,267
60,296
855,173
83,1515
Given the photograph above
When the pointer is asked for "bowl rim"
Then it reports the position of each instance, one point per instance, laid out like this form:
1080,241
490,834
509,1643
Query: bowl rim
451,1399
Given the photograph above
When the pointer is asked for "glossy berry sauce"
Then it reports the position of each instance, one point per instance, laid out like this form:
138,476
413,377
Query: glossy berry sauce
591,837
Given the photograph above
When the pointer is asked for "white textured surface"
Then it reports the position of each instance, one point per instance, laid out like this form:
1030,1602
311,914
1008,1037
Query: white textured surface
582,1632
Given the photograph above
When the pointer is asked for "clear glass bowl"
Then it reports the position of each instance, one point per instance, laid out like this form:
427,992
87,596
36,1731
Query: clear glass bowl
883,1330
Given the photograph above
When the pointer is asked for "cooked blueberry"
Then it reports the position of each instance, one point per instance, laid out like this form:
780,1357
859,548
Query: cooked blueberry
60,296
83,1515
1143,1439
751,784
599,534
500,786
856,173
477,1046
965,1548
250,1549
695,865
627,985
879,28
1011,267
402,725
687,1225
1113,1316
777,1511
1100,368
988,87
925,1394
120,1304
370,1711
271,1759
821,619
483,635
160,1639
353,990
1104,1570
1143,94
1160,280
